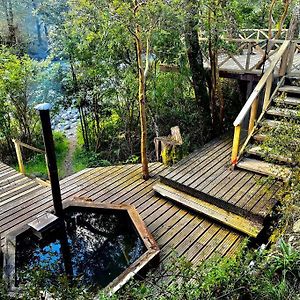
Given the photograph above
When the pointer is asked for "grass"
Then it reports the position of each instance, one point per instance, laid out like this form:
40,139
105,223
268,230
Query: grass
87,159
37,165
80,161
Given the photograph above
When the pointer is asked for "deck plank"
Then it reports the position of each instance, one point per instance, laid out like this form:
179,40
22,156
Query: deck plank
174,227
208,176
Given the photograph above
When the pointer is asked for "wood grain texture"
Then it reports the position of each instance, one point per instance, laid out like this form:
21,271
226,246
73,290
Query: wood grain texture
207,176
174,228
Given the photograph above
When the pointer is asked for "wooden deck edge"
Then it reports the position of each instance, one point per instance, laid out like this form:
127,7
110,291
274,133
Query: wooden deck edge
213,200
220,215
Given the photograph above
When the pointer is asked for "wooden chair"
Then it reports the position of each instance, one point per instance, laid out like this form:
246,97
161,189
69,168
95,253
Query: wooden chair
167,142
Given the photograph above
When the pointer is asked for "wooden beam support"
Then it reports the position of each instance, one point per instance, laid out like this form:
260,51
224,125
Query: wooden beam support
253,115
285,60
268,91
291,57
248,56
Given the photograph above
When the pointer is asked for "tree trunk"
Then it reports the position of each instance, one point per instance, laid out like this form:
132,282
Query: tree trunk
270,35
197,69
216,94
294,28
270,22
216,105
142,103
283,18
7,6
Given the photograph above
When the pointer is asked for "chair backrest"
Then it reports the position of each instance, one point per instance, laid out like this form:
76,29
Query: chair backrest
176,135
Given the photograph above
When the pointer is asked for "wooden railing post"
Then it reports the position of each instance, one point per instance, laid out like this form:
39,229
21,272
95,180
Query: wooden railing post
284,60
247,67
236,144
19,156
291,57
253,115
268,91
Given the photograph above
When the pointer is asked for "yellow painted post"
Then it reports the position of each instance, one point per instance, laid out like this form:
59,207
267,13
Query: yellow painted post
19,156
235,146
268,91
253,115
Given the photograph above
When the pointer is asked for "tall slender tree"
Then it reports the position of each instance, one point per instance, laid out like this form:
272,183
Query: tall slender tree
142,74
8,10
199,76
294,27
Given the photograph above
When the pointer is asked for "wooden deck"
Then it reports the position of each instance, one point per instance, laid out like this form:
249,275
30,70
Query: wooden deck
14,185
237,65
173,227
206,174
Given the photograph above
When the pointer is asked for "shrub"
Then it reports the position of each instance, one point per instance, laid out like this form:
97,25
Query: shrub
251,274
36,165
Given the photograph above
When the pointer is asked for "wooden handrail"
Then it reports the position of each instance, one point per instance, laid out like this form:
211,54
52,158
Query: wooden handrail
29,147
261,84
201,39
265,84
18,144
264,29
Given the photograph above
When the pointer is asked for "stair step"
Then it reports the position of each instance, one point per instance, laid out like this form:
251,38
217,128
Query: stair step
230,219
290,89
262,134
259,137
259,151
265,168
283,112
276,124
272,123
288,101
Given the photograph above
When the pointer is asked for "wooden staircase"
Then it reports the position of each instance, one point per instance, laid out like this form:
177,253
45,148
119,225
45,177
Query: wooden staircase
204,182
282,112
271,112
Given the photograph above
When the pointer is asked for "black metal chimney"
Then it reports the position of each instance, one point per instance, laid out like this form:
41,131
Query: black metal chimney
44,110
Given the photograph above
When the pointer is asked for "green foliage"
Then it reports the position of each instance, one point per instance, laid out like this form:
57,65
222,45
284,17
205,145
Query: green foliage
256,274
17,115
83,159
283,141
251,274
3,289
39,282
36,165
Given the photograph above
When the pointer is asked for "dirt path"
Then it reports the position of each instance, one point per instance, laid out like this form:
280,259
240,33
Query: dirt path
68,162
